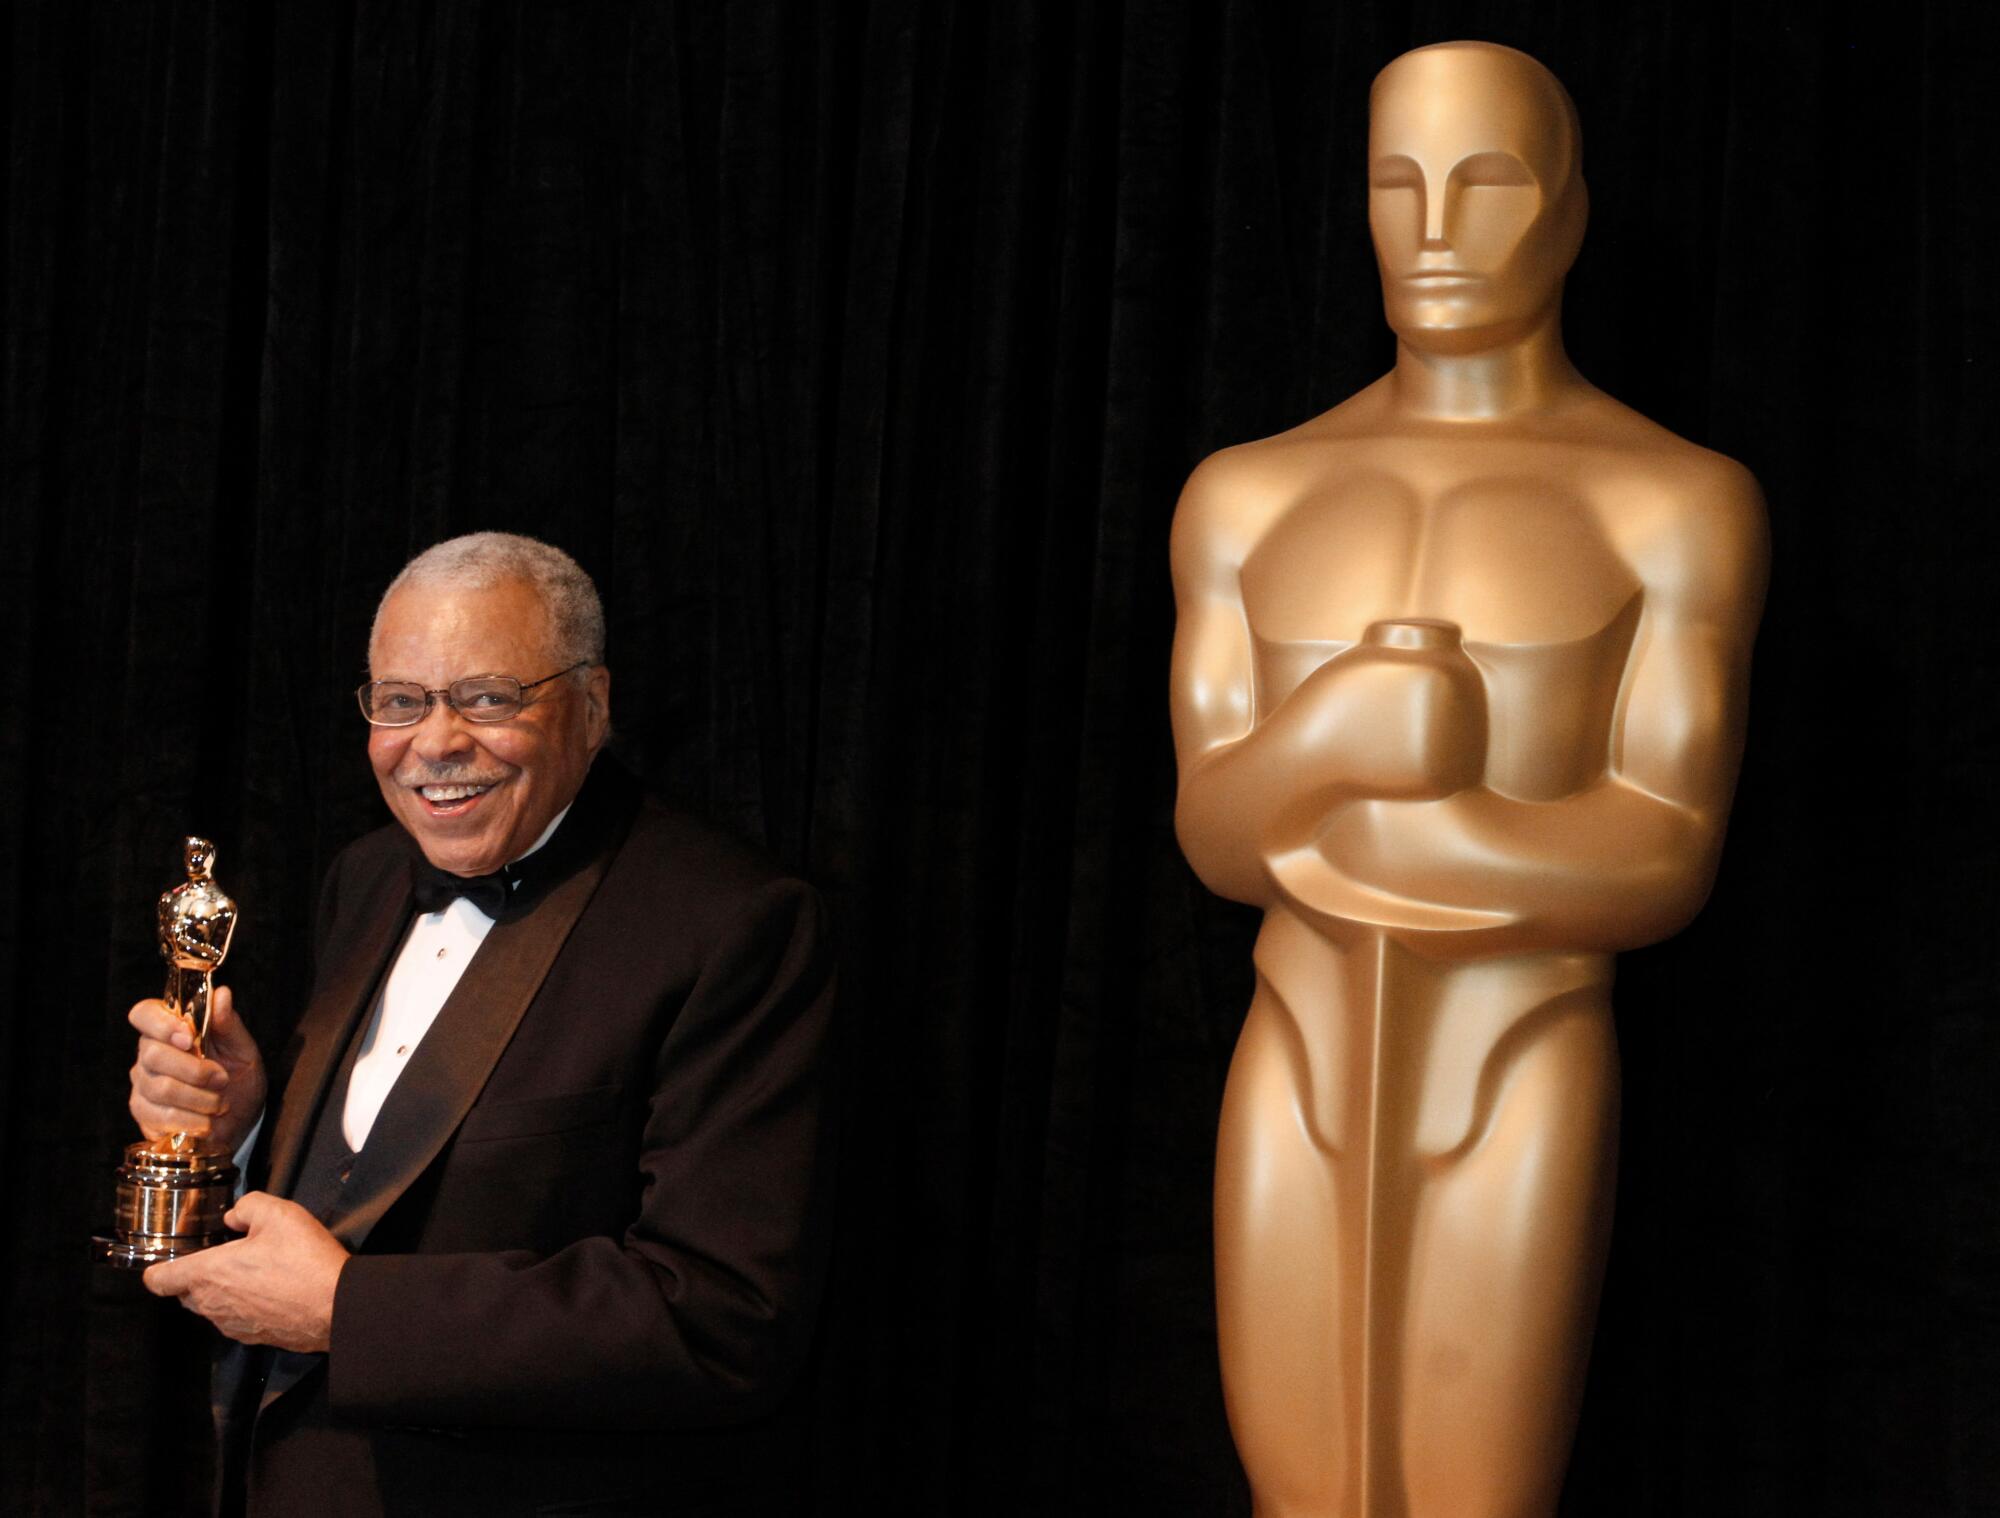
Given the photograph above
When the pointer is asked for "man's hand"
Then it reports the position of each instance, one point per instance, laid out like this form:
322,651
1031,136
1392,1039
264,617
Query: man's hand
174,1091
273,1286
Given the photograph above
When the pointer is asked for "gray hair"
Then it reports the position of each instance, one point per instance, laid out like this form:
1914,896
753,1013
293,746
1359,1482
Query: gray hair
481,560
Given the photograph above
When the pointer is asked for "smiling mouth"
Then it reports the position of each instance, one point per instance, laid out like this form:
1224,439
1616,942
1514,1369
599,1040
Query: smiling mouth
452,800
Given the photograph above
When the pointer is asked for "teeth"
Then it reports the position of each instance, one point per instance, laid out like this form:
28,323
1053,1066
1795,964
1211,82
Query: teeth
452,792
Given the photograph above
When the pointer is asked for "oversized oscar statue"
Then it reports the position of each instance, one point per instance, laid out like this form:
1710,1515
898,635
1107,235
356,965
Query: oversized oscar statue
1459,687
173,1190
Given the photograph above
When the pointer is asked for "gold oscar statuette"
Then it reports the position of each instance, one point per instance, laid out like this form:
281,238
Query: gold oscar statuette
173,1190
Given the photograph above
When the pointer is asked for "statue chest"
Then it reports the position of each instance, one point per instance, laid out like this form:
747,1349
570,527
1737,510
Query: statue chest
1547,608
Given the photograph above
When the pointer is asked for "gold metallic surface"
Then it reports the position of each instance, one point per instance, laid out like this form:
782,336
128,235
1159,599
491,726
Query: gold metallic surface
1459,689
173,1191
196,922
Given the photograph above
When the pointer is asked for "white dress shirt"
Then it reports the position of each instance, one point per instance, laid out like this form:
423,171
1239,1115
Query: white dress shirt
435,953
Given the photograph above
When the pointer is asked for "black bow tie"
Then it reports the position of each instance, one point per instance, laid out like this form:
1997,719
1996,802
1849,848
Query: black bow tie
436,889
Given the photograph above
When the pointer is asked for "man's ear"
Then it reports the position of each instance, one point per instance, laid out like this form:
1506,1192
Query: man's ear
597,705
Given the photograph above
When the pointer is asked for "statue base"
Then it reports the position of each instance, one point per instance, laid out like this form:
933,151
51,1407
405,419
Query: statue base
170,1203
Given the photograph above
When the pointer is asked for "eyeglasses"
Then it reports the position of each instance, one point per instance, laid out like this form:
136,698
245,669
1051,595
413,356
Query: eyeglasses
478,698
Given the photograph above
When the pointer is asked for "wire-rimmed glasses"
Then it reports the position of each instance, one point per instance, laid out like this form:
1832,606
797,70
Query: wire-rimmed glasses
477,698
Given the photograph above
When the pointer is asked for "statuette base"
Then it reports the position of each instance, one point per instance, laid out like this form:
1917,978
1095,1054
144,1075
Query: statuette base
170,1203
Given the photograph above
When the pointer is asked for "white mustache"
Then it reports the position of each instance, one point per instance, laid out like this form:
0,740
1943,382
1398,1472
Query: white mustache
414,775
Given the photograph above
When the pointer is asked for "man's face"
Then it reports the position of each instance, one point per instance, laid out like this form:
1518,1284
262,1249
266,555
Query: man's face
1468,161
475,795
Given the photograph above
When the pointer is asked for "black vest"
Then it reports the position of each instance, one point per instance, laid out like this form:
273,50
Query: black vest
323,1174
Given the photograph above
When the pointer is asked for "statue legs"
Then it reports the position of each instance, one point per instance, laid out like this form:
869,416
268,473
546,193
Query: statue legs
1413,1189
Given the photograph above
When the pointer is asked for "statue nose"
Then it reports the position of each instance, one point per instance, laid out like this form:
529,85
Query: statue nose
1434,214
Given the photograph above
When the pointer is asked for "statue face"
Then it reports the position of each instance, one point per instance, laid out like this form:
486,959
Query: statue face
1472,199
475,795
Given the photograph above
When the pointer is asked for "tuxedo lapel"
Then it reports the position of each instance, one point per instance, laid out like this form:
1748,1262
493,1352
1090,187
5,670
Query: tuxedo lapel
450,1067
327,1026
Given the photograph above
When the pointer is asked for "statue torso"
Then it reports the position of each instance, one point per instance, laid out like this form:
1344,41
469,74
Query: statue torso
1516,540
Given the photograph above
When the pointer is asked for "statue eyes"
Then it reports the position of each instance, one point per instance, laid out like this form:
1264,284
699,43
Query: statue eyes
1397,173
1478,170
1499,169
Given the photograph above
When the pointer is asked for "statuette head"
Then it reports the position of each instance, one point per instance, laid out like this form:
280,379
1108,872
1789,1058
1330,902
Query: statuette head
200,856
1476,198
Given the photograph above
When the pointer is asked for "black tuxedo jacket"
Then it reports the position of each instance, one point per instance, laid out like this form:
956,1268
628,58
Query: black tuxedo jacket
589,1223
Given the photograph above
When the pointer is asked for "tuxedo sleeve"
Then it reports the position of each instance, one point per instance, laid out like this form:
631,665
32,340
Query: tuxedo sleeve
702,1311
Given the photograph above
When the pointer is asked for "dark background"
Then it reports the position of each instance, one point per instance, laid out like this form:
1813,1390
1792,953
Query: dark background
860,351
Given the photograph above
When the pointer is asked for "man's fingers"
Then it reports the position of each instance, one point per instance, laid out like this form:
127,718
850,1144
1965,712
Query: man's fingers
222,1021
158,1060
166,1279
165,1091
227,1038
181,1070
158,1122
253,1209
154,1021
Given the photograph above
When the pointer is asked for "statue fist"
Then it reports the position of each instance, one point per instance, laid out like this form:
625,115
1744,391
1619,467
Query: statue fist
1402,714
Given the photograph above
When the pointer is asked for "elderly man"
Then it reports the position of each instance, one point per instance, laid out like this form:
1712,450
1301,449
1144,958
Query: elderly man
542,1205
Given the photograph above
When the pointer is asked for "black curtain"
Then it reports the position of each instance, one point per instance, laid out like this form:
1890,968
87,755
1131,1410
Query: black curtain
860,350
